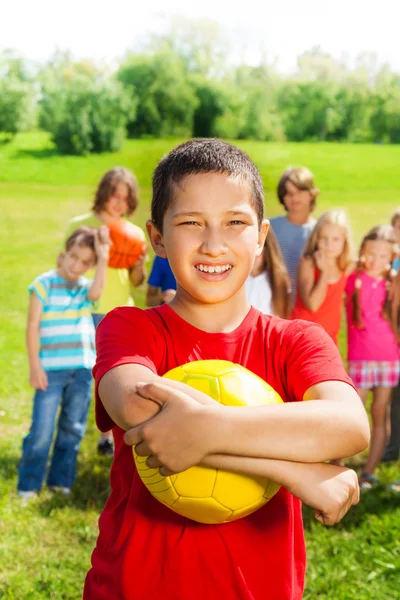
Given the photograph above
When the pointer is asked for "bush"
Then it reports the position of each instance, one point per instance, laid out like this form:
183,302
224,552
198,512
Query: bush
17,106
86,116
166,99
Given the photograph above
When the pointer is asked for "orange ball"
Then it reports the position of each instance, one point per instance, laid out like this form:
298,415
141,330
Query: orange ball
127,244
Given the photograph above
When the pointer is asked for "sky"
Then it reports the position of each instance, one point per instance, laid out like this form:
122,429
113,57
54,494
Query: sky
282,29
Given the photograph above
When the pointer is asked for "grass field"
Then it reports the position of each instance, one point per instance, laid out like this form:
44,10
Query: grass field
45,547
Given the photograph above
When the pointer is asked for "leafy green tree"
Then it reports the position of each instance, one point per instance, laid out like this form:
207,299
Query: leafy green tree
166,98
17,95
84,110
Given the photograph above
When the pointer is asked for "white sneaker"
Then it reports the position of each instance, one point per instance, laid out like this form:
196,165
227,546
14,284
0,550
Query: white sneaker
65,491
26,496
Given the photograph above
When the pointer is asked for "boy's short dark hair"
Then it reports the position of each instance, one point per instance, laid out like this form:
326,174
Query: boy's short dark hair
303,179
201,156
82,236
108,185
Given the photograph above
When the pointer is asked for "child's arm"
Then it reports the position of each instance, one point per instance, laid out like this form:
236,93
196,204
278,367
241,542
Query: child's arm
137,273
37,376
153,296
311,292
330,423
102,248
329,489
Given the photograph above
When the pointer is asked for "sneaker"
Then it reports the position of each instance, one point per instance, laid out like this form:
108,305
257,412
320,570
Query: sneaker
395,486
105,447
65,491
366,481
26,496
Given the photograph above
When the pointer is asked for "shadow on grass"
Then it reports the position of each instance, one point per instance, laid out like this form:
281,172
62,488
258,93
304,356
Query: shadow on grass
40,153
90,490
373,502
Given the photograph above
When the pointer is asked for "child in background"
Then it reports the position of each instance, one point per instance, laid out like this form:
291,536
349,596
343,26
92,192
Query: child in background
395,222
161,285
60,343
392,450
323,272
268,288
207,219
116,198
298,195
373,352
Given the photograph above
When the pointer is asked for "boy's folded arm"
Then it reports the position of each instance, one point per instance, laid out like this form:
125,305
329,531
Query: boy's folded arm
330,423
117,392
329,489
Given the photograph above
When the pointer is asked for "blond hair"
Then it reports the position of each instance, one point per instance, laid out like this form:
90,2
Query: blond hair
395,216
278,275
303,179
332,217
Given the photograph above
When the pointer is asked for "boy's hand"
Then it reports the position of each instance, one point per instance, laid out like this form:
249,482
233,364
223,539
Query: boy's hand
102,243
329,489
38,378
177,437
167,296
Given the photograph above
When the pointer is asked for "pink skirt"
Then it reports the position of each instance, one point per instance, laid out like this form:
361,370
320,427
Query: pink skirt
367,374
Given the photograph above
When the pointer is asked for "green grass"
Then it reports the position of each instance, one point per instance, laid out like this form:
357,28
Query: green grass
45,547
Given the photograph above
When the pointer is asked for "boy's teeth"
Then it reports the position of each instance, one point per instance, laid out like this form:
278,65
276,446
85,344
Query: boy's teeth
216,269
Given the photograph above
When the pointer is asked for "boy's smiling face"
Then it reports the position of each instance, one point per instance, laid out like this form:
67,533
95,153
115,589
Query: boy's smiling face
211,236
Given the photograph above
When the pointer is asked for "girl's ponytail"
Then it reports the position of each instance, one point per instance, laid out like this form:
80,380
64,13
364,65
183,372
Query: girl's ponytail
356,297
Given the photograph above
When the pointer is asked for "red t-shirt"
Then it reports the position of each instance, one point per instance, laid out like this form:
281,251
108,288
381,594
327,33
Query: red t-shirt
147,552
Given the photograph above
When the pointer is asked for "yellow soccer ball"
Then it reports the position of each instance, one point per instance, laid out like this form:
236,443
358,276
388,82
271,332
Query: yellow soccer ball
209,495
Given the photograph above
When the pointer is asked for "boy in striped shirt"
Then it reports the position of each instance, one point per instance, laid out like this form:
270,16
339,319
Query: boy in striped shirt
61,353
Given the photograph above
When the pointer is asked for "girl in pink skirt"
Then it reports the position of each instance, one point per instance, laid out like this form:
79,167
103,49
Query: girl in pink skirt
373,351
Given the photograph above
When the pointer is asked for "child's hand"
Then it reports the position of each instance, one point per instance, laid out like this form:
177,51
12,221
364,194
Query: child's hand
38,378
329,489
102,243
167,296
139,262
180,435
320,260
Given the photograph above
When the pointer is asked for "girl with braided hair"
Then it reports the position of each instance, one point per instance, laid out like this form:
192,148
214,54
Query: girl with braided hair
373,352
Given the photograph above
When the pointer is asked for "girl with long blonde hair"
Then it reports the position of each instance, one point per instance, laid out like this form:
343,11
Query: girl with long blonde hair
323,271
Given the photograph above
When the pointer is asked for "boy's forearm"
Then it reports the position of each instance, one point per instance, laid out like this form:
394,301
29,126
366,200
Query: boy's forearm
32,345
283,472
297,431
99,281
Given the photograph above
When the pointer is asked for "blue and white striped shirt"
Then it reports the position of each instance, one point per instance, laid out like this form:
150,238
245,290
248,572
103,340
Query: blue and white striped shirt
66,325
292,239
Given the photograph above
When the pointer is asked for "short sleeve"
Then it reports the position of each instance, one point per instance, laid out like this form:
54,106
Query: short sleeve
311,358
126,335
40,287
155,278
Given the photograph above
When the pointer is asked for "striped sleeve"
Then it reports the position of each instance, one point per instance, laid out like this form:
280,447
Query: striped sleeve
40,286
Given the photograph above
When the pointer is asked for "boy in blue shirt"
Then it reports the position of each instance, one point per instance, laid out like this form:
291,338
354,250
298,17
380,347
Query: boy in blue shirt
61,352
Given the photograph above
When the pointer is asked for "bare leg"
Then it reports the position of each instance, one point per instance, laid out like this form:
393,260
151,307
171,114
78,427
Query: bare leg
379,409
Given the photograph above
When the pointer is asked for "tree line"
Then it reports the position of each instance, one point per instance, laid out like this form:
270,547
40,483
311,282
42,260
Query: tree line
182,84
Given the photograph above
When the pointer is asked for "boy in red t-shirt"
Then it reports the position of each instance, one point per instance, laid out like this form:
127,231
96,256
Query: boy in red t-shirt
207,218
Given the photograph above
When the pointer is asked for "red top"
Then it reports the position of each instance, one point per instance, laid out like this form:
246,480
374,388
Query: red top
147,552
329,313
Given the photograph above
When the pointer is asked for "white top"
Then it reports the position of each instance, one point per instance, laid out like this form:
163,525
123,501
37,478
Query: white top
259,293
